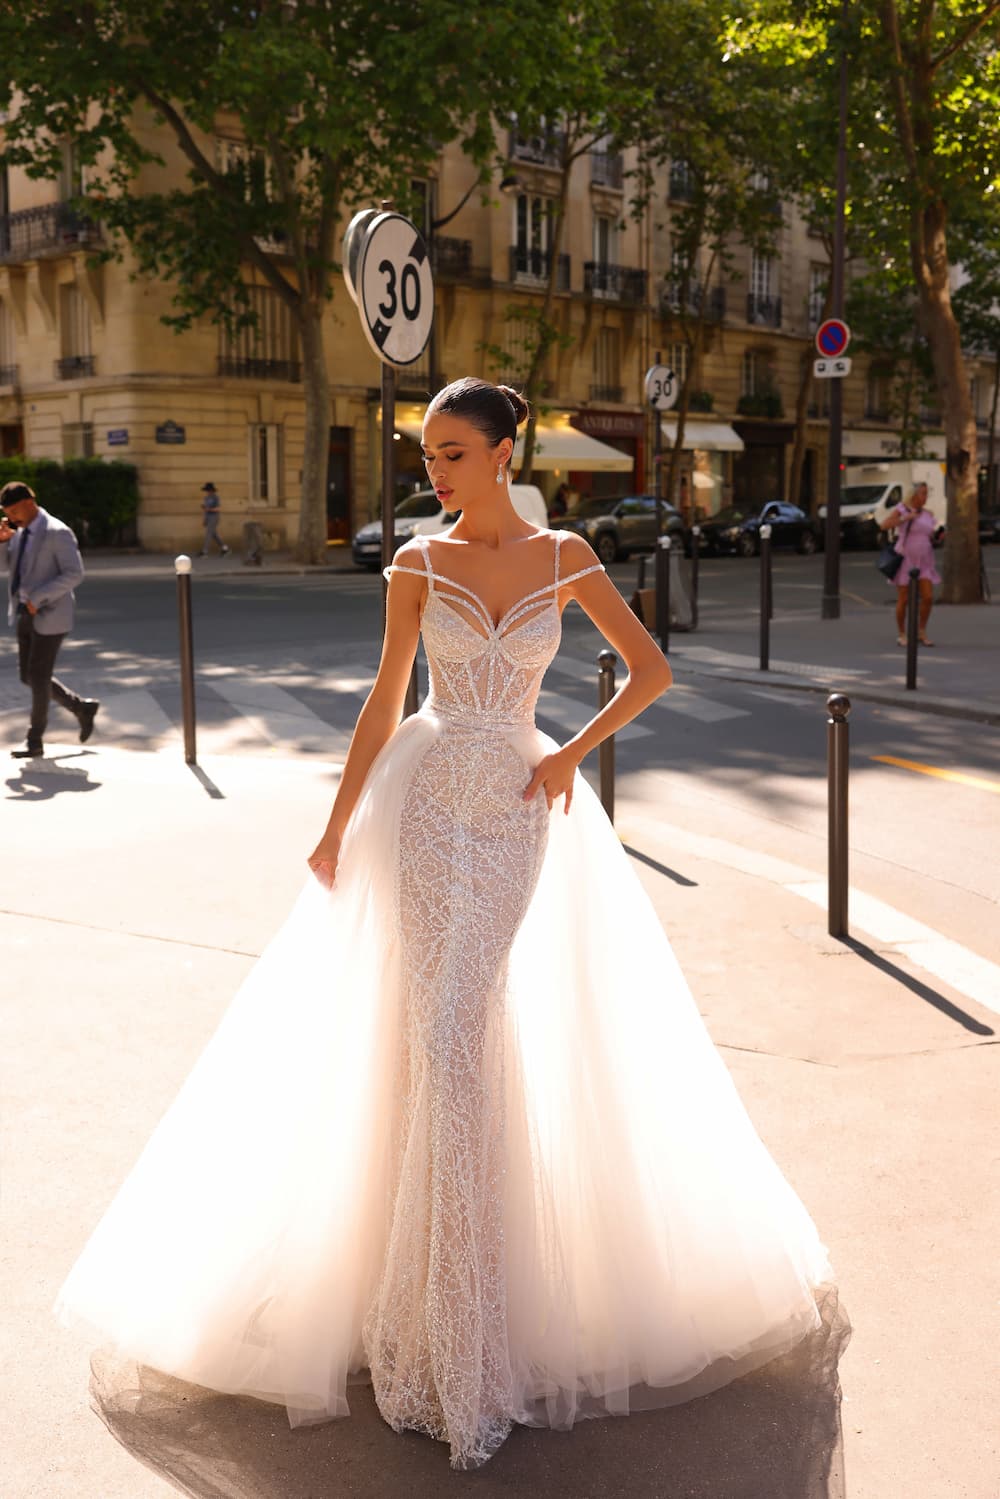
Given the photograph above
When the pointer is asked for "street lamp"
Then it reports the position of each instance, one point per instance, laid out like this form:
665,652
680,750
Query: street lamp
509,183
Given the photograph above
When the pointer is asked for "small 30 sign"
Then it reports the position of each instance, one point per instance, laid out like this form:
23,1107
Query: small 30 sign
388,273
661,387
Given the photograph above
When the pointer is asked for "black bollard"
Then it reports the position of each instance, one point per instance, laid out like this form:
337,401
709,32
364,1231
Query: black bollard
837,753
606,663
695,558
765,598
640,581
912,628
663,593
182,566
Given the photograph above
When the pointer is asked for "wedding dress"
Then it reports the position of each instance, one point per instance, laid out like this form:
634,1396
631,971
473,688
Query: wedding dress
462,1126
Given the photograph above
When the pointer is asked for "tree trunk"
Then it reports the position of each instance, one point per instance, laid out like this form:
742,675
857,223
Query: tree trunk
991,471
801,417
311,546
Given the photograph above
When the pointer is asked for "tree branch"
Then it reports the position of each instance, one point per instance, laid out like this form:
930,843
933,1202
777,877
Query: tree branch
993,9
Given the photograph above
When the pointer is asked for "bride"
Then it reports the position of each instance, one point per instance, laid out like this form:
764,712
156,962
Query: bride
449,1137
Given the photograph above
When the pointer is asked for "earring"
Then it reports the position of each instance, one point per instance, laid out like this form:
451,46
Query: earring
500,473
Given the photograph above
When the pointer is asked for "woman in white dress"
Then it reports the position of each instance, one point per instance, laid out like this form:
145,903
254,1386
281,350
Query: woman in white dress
445,1137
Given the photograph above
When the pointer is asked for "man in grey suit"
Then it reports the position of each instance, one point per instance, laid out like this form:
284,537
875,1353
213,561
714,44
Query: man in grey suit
44,566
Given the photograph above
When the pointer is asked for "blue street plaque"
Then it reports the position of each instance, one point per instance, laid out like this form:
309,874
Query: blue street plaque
118,437
170,432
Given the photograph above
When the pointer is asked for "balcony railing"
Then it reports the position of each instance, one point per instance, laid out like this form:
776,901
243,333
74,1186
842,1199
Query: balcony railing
682,298
544,149
54,226
8,374
74,366
876,411
765,311
260,369
530,266
766,403
607,393
615,283
607,169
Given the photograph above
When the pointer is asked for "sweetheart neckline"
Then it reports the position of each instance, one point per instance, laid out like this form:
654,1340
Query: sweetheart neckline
488,618
496,631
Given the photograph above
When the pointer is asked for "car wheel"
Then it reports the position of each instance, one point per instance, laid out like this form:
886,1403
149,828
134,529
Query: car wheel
807,543
606,548
747,544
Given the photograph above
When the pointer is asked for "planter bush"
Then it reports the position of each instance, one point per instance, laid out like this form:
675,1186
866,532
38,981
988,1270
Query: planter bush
99,500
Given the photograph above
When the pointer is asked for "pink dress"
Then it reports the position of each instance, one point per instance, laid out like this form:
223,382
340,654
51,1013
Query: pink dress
915,544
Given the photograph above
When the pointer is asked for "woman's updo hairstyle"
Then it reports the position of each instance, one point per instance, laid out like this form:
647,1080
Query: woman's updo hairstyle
494,410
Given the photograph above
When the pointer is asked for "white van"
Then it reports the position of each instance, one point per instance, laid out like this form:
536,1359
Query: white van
872,490
421,514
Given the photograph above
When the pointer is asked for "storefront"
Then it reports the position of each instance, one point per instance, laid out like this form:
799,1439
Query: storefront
759,471
624,431
705,483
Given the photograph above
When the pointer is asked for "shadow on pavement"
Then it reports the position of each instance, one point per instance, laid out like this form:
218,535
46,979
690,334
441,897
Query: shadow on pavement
40,780
917,987
773,1433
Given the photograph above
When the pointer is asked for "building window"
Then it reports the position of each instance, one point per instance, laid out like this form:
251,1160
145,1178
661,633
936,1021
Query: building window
682,183
520,335
265,463
819,277
78,439
533,236
607,384
266,351
8,355
819,403
762,304
74,334
71,179
981,396
422,204
878,393
605,235
680,358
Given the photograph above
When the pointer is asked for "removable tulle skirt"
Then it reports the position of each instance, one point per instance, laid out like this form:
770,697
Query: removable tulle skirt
652,1249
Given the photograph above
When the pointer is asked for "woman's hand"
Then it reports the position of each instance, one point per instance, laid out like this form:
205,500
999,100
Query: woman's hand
554,775
324,858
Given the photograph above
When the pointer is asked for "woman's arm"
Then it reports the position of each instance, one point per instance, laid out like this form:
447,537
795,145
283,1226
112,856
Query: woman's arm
383,709
896,515
649,673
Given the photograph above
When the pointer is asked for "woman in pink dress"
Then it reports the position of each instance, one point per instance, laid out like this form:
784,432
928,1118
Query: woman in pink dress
915,544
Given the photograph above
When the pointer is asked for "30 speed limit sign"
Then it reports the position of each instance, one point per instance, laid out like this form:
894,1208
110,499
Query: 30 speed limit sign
393,286
661,387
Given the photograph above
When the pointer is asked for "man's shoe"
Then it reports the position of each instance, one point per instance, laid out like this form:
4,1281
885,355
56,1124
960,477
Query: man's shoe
30,752
86,716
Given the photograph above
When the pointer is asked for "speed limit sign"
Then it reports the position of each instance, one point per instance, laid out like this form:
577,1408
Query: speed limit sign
661,387
395,289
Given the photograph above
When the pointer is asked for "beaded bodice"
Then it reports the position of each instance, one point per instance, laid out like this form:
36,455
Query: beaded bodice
485,673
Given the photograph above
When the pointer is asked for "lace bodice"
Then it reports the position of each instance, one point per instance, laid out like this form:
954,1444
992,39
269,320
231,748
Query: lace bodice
486,674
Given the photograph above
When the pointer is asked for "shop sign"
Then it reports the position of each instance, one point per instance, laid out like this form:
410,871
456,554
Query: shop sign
170,432
609,423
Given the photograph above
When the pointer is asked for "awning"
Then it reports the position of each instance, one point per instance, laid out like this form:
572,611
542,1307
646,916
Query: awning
557,446
714,437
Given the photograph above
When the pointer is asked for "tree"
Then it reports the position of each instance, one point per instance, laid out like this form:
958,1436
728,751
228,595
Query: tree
329,106
977,307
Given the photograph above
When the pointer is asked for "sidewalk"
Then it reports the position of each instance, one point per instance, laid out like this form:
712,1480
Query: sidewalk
872,1086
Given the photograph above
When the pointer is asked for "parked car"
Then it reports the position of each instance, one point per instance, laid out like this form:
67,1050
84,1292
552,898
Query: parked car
616,528
989,525
737,529
421,514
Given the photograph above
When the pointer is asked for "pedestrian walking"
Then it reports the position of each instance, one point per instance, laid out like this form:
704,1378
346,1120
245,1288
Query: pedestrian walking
916,528
211,507
500,1163
44,567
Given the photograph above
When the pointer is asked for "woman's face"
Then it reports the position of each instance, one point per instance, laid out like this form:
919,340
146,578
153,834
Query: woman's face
919,497
461,464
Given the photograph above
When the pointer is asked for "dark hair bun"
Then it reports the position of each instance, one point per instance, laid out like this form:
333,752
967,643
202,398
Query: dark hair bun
518,402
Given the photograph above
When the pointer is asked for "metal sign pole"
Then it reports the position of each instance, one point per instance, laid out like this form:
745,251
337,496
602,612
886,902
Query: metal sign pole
830,607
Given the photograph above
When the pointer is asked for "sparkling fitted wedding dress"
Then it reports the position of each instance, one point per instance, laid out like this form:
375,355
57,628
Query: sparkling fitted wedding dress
456,1134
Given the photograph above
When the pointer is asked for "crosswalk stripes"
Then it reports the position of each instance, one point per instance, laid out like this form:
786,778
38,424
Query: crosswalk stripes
688,701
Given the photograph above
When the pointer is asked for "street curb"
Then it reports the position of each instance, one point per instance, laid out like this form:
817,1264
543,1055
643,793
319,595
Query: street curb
942,707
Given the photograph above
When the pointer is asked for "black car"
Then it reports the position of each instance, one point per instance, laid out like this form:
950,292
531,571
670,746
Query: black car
737,529
989,526
616,528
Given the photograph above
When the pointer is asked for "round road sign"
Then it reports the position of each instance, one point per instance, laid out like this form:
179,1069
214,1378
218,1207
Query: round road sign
832,338
395,289
662,387
354,239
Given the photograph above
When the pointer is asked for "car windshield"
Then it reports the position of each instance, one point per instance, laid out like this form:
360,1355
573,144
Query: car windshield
729,516
424,503
862,494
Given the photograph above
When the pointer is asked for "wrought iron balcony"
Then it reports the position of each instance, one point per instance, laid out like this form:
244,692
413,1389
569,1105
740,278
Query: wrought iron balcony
607,393
530,266
8,374
544,149
74,366
615,283
682,298
766,311
53,227
607,169
260,369
451,258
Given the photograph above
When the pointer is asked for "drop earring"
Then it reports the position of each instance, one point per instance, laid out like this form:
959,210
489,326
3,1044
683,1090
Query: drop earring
500,473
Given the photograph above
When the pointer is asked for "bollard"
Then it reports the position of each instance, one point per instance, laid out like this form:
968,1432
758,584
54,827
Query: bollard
182,566
765,598
695,558
641,576
663,593
912,628
837,751
606,663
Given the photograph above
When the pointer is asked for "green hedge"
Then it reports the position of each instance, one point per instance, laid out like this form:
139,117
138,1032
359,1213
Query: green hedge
99,500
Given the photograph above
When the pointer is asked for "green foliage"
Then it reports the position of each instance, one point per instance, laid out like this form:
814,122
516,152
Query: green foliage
98,500
766,403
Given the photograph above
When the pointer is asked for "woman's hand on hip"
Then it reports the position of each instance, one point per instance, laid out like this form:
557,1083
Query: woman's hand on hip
553,775
324,859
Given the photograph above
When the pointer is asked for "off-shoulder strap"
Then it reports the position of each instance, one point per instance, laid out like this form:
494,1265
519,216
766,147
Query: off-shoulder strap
559,538
425,572
598,567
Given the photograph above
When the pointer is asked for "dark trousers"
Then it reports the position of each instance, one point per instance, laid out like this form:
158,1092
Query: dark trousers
36,658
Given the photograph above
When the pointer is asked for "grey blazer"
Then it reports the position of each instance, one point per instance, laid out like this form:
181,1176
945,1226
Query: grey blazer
52,569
